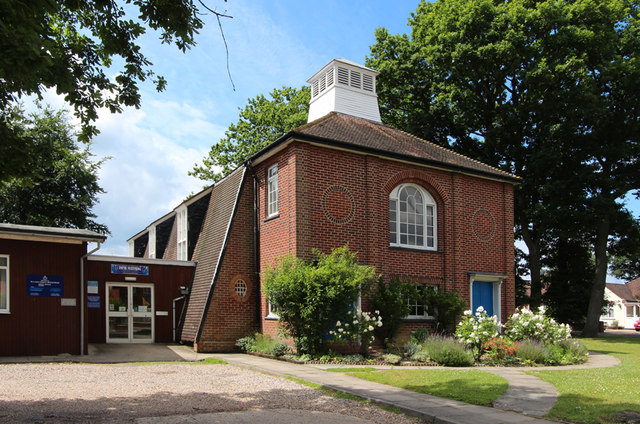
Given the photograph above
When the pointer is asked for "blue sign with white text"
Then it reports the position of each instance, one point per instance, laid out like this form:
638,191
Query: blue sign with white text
129,269
44,285
93,302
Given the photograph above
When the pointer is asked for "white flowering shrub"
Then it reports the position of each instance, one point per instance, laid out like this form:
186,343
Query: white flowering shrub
358,326
476,329
526,325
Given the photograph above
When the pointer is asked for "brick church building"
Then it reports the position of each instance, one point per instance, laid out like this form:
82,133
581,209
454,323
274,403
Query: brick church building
409,208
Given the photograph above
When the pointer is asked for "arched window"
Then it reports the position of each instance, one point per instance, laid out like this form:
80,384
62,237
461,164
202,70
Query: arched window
412,218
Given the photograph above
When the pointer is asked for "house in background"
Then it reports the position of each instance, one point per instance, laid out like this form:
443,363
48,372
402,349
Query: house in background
410,208
623,304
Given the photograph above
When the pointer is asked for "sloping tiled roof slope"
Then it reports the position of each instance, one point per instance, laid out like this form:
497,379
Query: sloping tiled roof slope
361,134
621,290
209,250
634,287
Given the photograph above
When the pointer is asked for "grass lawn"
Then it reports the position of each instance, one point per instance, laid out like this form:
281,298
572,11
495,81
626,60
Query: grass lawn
466,385
597,395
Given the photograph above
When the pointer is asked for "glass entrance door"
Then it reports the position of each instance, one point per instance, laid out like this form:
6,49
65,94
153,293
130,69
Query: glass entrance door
130,313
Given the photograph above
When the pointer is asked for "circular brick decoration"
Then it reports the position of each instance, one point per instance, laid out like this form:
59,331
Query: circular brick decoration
338,204
483,224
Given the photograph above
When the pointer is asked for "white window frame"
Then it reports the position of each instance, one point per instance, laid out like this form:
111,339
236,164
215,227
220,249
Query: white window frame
394,228
426,314
5,268
271,314
272,191
152,242
182,229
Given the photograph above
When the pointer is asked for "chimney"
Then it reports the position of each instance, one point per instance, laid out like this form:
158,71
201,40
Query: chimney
346,87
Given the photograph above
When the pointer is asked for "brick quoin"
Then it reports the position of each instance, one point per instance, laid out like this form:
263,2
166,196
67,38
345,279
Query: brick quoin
474,220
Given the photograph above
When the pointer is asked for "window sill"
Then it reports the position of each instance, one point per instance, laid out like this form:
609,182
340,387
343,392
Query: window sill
5,312
415,249
269,218
271,317
419,319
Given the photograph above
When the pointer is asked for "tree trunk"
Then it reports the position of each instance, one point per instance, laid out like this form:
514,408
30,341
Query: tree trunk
533,244
599,279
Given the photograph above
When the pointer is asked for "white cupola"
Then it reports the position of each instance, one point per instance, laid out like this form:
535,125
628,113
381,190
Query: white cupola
346,87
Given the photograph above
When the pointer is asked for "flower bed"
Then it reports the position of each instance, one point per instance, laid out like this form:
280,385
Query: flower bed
527,339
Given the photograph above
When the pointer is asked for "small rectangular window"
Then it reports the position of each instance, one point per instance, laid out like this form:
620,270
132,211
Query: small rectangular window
272,191
272,311
182,230
417,306
152,242
4,284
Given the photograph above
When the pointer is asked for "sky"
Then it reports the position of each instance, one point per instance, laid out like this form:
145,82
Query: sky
271,45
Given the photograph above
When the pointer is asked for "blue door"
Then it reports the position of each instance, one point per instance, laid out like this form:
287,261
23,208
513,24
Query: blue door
483,296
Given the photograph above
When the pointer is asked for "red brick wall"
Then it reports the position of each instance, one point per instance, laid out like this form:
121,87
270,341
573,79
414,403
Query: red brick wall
343,197
277,236
230,317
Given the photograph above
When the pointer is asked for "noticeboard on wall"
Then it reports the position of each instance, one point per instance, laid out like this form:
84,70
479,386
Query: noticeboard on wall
44,285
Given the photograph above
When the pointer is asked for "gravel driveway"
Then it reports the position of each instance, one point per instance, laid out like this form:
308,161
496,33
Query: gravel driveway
55,392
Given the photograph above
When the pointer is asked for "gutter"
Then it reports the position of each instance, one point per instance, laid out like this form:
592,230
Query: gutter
82,260
256,252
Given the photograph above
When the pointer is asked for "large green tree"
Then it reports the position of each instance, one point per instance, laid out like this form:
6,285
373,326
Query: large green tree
70,45
64,187
261,122
544,89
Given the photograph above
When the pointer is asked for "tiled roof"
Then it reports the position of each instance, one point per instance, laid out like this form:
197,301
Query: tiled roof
634,287
622,291
209,250
361,134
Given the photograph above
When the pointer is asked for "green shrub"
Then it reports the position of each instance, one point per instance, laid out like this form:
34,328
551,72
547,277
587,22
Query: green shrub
350,359
262,343
420,335
327,358
390,300
447,306
279,349
392,359
574,351
311,296
448,352
411,348
421,356
531,351
246,343
305,357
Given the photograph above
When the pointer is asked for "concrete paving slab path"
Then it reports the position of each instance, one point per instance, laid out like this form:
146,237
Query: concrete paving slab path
430,408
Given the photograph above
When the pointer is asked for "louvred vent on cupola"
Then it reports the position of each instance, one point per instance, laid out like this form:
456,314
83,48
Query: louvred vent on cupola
345,87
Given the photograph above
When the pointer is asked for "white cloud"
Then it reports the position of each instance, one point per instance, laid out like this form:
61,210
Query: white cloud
151,153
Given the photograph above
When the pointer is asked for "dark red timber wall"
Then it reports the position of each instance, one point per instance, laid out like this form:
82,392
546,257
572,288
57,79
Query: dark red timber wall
166,279
331,197
41,325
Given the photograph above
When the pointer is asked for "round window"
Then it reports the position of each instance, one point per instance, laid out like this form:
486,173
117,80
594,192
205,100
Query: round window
240,288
